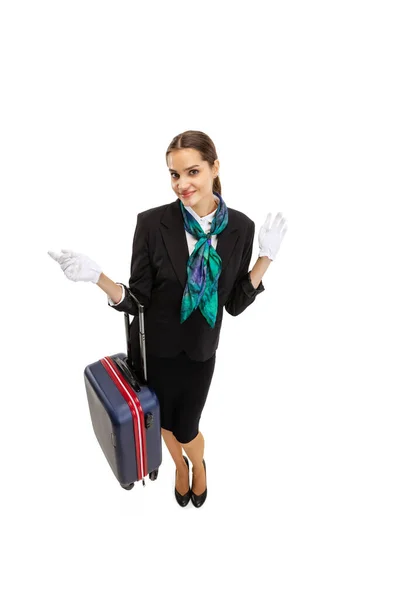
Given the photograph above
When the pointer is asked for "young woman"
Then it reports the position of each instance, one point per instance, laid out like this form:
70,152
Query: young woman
190,259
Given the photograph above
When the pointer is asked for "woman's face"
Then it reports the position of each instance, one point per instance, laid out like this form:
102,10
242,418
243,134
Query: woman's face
191,174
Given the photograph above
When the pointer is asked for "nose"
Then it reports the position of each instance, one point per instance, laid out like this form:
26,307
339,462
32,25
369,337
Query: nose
183,186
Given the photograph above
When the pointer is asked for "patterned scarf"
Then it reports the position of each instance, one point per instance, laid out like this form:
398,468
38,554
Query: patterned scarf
203,266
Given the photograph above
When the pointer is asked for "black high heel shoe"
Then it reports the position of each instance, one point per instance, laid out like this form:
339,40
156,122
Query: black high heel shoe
183,500
200,499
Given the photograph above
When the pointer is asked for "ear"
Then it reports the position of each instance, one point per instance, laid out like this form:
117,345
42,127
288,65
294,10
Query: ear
216,167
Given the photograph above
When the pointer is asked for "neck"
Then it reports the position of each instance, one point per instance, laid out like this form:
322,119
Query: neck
206,206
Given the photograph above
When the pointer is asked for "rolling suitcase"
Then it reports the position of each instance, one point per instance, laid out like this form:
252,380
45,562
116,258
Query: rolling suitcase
125,412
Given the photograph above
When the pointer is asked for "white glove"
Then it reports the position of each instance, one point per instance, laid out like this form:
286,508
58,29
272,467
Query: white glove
77,267
270,238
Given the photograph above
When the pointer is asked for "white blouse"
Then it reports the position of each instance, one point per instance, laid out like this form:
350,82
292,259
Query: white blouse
205,223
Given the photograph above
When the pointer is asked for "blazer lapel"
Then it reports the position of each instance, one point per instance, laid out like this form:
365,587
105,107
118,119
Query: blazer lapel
174,236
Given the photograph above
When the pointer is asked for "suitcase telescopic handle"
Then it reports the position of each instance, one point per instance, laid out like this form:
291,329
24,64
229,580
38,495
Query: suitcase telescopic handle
142,341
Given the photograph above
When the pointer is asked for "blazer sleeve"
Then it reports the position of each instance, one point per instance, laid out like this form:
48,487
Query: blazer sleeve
243,293
110,302
141,278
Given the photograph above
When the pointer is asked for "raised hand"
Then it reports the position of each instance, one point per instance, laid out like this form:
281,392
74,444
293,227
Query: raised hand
270,237
77,267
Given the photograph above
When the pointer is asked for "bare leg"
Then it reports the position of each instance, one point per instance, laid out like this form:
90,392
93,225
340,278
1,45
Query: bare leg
175,449
195,452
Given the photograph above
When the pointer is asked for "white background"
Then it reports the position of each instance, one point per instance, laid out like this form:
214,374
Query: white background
302,419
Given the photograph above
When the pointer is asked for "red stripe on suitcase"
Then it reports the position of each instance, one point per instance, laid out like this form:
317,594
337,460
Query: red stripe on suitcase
139,430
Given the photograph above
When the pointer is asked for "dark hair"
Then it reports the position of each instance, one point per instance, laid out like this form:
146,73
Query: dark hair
198,141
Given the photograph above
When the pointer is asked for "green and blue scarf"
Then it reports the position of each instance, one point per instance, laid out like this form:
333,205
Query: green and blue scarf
203,266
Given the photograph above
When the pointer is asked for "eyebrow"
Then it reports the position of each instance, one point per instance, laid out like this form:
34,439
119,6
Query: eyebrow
188,169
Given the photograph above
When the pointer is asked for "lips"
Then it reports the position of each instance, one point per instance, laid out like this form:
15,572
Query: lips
188,194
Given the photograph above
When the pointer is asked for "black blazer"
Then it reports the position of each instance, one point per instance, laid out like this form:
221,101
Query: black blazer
158,278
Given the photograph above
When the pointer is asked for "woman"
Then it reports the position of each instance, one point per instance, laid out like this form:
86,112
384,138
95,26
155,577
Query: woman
190,259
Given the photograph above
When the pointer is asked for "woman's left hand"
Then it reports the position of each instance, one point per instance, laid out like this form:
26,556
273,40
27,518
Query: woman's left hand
270,237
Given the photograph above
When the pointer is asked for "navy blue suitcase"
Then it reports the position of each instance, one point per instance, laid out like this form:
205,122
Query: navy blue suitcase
125,412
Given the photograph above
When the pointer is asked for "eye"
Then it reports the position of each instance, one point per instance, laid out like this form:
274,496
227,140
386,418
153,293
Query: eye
192,171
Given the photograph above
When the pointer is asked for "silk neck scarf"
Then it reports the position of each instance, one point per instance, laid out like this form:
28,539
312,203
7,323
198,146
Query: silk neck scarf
203,266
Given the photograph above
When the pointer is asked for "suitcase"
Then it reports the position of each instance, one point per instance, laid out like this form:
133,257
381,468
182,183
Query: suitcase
125,412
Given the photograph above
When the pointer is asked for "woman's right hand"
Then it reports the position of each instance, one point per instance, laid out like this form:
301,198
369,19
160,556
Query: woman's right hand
77,267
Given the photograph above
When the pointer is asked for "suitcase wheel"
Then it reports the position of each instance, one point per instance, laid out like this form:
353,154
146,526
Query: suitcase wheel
127,486
153,475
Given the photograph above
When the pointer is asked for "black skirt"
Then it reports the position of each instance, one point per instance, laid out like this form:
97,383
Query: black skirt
181,385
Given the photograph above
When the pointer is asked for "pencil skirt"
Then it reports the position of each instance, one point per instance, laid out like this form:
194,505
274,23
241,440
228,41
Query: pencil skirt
181,385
